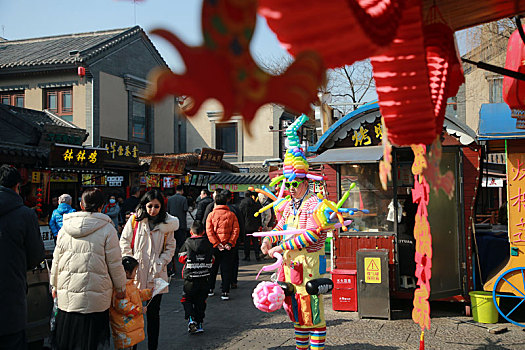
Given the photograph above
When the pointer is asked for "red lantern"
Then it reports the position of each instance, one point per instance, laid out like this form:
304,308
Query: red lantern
402,83
81,71
514,89
341,31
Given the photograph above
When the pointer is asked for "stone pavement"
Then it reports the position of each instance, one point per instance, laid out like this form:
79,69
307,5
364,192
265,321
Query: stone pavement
237,324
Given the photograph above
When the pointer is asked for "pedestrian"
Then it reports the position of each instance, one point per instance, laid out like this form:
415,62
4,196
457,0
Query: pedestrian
267,216
252,224
87,267
148,237
64,207
211,205
235,250
205,200
21,248
131,203
196,255
126,315
222,229
112,209
178,207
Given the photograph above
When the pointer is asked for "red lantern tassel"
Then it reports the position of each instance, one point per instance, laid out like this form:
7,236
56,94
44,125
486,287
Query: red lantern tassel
422,341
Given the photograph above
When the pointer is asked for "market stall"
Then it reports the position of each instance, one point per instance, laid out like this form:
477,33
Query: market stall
353,147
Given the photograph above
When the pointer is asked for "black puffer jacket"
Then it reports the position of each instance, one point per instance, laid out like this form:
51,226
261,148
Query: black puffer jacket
201,208
196,252
21,248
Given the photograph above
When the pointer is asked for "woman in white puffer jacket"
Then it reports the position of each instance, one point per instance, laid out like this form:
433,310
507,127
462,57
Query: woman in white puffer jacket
87,266
149,237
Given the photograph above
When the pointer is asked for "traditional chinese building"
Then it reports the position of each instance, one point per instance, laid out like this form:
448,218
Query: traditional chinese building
95,81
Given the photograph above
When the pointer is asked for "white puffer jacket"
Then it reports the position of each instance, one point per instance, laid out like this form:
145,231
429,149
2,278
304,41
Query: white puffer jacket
87,264
153,249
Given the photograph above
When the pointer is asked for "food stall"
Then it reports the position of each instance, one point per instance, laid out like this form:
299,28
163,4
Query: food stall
352,146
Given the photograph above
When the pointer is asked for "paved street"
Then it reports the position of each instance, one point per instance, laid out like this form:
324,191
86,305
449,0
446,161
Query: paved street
237,324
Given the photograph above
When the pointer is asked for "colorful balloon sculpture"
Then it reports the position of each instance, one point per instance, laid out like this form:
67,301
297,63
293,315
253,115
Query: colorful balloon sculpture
268,296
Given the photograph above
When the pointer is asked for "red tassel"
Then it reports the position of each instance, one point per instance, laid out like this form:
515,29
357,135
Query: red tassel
422,341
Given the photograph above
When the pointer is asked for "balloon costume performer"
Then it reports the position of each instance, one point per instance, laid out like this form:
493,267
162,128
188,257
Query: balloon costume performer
299,237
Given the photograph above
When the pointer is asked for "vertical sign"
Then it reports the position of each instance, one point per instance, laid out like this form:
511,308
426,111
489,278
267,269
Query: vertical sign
516,193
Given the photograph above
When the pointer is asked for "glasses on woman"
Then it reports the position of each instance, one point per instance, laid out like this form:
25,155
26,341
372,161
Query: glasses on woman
153,206
293,184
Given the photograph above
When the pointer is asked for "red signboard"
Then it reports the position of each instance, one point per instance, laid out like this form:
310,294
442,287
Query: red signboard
161,165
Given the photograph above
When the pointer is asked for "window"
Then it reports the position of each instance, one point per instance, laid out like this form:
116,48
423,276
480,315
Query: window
60,102
496,90
226,137
367,194
14,98
139,120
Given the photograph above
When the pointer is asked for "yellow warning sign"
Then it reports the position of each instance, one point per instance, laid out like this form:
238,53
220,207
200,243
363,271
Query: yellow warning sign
372,270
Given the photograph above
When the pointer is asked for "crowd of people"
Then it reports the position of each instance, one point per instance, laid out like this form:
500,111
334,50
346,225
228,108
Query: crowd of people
105,265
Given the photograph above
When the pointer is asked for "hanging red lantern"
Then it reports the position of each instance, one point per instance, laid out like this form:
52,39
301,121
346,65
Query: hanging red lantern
341,31
401,77
81,71
514,89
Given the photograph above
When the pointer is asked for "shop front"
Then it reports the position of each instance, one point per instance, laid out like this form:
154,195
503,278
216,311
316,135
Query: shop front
122,159
353,148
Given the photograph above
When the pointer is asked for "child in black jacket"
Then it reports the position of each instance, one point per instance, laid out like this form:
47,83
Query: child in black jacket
196,255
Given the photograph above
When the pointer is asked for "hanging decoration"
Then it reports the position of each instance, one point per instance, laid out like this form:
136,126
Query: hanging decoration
445,71
342,31
224,69
514,89
423,256
426,168
39,200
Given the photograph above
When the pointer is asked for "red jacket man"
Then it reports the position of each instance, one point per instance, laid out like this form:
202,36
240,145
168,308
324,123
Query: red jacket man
222,229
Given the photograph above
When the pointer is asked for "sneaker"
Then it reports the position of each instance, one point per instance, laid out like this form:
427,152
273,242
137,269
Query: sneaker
225,296
234,286
210,293
192,326
199,328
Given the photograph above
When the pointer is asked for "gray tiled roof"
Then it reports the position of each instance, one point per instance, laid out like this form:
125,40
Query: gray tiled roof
60,49
35,117
242,178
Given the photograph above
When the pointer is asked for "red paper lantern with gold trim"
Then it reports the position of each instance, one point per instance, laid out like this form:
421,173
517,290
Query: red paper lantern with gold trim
514,89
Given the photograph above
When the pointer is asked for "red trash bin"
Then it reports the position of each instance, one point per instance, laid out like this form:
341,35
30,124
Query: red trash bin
344,294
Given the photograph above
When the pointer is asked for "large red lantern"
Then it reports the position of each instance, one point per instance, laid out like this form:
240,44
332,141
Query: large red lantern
514,89
342,31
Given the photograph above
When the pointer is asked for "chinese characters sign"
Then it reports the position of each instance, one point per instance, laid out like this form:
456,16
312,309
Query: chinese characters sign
161,165
516,193
372,270
120,151
367,133
73,156
210,158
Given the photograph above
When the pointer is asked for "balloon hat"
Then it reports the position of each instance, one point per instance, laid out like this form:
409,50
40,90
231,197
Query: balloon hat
295,163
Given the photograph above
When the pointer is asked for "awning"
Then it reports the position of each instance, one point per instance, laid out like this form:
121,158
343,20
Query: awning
238,182
495,123
370,154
